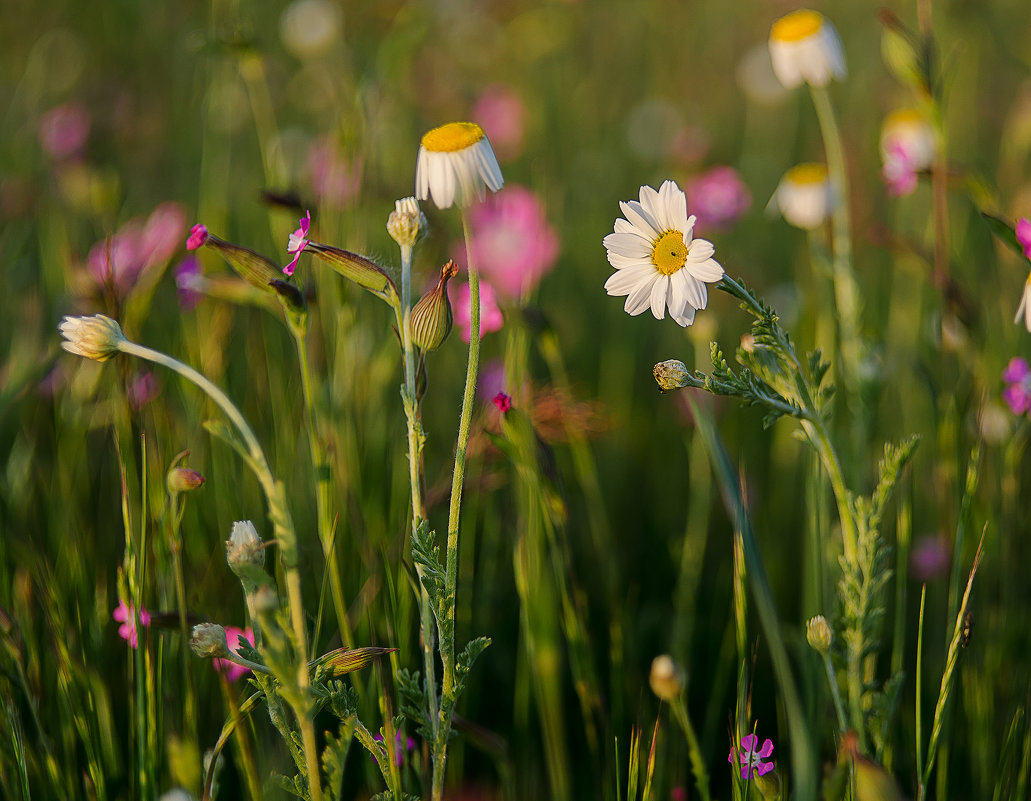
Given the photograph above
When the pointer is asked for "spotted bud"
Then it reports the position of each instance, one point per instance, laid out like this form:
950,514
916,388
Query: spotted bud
209,641
432,317
671,374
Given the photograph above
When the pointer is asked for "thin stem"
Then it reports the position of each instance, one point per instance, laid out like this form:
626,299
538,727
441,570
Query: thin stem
694,751
832,682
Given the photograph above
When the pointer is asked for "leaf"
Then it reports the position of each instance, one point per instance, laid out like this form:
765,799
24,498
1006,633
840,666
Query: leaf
1004,230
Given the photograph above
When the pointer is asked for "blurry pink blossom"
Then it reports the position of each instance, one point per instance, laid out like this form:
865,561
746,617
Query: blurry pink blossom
490,314
162,233
502,115
491,380
1017,393
298,242
186,274
503,402
718,197
124,615
121,258
334,179
929,558
63,130
513,246
1023,232
198,236
908,147
232,670
899,170
144,388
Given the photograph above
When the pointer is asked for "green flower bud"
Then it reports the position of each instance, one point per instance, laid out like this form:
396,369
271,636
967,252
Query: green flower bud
407,224
818,633
432,317
671,374
209,641
182,479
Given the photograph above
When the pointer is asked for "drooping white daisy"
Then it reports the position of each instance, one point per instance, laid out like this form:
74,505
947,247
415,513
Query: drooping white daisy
658,263
804,196
455,163
805,47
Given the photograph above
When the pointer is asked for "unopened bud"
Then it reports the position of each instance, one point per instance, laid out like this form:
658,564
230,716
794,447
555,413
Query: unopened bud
818,633
406,223
96,337
254,268
182,479
666,679
671,374
768,785
364,272
209,641
432,317
244,550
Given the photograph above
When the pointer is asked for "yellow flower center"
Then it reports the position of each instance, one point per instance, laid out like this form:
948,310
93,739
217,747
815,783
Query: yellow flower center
669,253
452,137
807,174
796,26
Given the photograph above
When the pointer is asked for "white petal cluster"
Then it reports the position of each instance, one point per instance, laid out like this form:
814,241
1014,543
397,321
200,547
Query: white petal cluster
805,196
804,47
454,165
96,337
659,264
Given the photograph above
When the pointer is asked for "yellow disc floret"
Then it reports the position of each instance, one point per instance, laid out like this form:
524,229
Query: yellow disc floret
796,26
669,253
452,137
805,174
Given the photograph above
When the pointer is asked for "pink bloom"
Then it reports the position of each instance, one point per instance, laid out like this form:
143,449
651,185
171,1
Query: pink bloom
929,558
118,259
751,759
162,233
144,388
490,314
718,196
513,246
232,670
1023,232
198,236
63,130
124,614
334,179
502,114
899,170
491,380
1017,393
186,274
503,402
399,751
298,242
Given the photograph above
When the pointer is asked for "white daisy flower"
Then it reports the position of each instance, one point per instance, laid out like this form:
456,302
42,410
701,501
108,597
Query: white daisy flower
805,196
658,262
805,47
1024,309
455,163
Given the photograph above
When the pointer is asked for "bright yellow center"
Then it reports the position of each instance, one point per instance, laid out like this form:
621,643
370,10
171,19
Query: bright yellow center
669,253
796,26
452,137
806,174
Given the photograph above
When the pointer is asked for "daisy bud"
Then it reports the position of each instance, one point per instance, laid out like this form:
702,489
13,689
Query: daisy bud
432,317
804,196
182,479
454,165
244,549
818,633
96,337
209,641
671,374
406,223
666,679
804,47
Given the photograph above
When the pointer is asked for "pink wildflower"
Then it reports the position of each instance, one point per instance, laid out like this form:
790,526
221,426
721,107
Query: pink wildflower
899,170
399,751
491,380
162,233
1017,393
718,197
503,402
124,614
513,246
751,759
1023,232
334,179
144,388
186,274
502,114
298,242
63,130
232,670
118,259
929,558
198,236
490,314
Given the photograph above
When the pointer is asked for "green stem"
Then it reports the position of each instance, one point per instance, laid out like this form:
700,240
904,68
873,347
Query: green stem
694,750
832,682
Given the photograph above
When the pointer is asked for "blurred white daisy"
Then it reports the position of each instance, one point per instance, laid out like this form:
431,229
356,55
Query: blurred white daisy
805,47
455,163
658,262
804,196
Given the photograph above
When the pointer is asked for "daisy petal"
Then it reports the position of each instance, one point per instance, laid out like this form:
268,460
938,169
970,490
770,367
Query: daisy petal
632,245
658,297
700,249
708,270
643,221
639,300
624,281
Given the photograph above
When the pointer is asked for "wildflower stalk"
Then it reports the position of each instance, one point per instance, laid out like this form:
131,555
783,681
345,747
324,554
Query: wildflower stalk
286,537
175,546
448,695
694,750
832,682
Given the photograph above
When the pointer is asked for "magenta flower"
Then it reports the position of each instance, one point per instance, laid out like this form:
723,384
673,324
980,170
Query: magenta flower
232,670
298,242
144,388
718,197
502,115
752,760
162,234
63,130
187,273
503,402
490,314
198,236
1023,232
491,380
1017,393
124,615
138,246
334,179
900,170
929,558
399,751
513,246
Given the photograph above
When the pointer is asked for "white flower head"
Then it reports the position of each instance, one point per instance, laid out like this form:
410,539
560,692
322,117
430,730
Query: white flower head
1024,309
406,223
455,163
805,196
658,262
909,132
804,47
96,337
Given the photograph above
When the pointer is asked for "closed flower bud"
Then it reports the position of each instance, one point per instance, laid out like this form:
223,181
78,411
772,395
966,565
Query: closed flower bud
768,785
406,223
364,272
96,337
818,633
666,679
671,374
432,317
209,641
244,550
182,479
254,268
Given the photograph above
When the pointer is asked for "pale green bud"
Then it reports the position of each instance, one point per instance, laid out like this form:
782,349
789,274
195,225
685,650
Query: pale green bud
406,223
432,316
209,641
96,337
818,633
244,549
671,374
